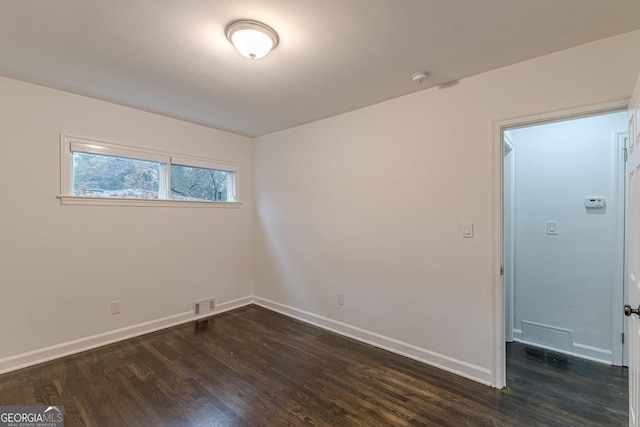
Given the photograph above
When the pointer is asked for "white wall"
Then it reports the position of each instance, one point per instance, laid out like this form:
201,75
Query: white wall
370,203
61,266
565,283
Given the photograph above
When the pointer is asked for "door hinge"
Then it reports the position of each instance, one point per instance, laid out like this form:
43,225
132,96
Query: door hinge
623,338
502,270
626,154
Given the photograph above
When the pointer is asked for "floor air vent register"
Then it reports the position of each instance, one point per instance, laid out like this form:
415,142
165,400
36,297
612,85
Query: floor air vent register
204,306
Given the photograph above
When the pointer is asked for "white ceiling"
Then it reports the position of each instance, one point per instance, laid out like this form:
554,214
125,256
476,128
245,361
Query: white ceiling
171,56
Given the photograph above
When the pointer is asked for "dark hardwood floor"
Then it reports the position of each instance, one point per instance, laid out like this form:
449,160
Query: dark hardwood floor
253,367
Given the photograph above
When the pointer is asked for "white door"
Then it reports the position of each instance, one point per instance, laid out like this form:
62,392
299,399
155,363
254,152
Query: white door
632,309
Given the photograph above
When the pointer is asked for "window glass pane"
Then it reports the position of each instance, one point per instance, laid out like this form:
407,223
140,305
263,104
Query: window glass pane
96,175
191,183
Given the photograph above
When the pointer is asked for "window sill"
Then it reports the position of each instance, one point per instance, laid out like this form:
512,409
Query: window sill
113,201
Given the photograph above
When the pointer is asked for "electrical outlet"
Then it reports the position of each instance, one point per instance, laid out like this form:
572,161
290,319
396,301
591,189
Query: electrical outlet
116,307
340,298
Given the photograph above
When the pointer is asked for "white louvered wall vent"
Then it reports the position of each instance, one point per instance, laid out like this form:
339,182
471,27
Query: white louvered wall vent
204,306
548,335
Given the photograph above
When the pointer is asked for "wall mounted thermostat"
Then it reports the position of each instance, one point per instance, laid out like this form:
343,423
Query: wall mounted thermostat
594,202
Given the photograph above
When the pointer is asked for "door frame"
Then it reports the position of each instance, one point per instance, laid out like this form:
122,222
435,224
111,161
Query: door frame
509,239
498,351
620,353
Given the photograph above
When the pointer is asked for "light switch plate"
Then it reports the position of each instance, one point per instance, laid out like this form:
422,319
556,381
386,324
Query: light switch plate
467,230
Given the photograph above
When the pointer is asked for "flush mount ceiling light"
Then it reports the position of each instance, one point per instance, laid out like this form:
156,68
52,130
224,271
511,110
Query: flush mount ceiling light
253,39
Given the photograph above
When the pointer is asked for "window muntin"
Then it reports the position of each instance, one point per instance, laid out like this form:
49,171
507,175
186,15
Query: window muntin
99,171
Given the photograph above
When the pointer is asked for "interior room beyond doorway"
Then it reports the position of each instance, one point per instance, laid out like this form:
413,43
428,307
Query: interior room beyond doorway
563,229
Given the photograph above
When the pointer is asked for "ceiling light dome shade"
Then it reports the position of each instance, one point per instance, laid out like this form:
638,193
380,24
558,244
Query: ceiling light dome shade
253,39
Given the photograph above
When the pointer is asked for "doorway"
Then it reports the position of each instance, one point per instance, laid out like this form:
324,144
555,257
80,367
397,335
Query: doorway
563,238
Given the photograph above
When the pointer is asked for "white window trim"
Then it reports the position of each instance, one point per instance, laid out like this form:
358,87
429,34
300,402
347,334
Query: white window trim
114,201
69,144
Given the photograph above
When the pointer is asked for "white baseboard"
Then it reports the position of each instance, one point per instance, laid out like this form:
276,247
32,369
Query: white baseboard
458,367
46,354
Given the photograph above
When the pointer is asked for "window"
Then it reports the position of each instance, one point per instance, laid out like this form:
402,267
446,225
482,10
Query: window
97,173
192,183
